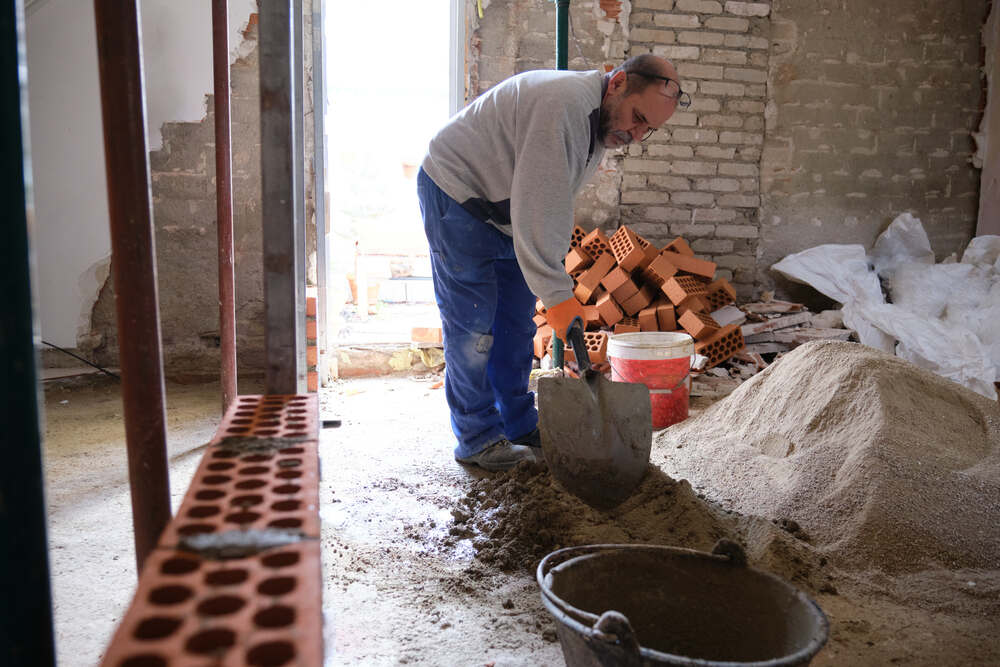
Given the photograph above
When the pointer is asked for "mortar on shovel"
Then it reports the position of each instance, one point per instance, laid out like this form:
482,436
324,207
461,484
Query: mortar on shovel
596,434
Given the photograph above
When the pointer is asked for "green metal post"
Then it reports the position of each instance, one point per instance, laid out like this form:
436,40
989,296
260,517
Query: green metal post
562,34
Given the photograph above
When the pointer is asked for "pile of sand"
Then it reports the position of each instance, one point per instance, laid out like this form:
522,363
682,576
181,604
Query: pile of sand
515,518
882,464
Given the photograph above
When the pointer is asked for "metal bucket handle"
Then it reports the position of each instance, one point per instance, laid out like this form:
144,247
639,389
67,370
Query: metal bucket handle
612,626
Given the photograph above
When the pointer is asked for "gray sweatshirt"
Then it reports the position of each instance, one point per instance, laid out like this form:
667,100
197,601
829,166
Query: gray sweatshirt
516,158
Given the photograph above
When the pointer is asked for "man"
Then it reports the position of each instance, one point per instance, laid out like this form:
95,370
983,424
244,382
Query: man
496,192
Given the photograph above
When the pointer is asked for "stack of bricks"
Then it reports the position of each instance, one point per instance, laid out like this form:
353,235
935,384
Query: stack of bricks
626,284
235,578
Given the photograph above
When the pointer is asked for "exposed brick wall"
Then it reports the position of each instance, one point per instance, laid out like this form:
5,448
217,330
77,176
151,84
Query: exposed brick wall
870,111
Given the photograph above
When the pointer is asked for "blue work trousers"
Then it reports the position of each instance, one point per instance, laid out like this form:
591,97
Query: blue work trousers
486,318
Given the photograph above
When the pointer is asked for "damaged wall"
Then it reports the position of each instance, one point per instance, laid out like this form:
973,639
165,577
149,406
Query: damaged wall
811,122
184,217
870,113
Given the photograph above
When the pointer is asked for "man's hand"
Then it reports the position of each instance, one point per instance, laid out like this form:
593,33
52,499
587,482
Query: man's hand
561,316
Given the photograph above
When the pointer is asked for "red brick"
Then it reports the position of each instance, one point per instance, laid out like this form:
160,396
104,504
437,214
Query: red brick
310,329
597,347
679,245
583,293
611,313
615,279
626,249
625,291
688,264
627,325
723,345
647,319
678,288
659,270
576,260
577,237
699,325
541,340
592,315
595,243
601,267
665,317
539,319
431,334
310,302
639,300
651,252
695,303
539,307
312,355
720,293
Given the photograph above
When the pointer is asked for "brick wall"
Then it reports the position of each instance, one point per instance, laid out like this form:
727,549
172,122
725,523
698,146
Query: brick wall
870,110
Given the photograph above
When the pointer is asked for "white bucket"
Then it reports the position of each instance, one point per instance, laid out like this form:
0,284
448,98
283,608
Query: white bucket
661,360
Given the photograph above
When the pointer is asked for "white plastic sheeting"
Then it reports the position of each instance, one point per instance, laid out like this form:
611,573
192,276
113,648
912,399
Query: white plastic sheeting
943,317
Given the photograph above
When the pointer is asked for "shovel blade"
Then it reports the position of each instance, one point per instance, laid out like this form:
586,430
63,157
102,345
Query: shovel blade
596,436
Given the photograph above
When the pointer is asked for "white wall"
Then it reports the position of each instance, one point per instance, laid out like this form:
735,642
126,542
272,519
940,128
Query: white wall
72,241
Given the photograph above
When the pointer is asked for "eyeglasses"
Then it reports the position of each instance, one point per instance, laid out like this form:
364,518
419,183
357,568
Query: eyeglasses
672,89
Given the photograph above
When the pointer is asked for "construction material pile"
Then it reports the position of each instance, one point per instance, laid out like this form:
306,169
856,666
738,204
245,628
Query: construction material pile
882,464
627,284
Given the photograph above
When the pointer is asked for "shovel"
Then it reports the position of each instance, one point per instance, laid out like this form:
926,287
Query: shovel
595,434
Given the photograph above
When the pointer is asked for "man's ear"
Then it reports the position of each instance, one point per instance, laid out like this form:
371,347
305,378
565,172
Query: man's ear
616,84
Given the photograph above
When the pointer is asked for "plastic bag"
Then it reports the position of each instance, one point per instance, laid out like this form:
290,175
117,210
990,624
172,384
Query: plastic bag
903,241
982,250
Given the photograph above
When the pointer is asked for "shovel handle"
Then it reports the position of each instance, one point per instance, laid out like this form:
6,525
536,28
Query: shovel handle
575,336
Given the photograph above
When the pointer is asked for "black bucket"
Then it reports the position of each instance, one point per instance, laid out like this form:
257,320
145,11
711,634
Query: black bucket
637,605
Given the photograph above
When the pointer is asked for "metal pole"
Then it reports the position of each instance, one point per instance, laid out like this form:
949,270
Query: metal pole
277,130
319,188
133,259
26,618
562,34
298,63
224,201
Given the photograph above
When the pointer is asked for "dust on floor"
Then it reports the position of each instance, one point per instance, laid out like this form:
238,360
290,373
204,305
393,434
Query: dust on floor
427,562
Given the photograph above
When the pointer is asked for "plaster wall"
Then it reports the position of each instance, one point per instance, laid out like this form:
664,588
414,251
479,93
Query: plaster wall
73,244
988,138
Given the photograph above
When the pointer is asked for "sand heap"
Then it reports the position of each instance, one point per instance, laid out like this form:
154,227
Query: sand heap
514,519
884,465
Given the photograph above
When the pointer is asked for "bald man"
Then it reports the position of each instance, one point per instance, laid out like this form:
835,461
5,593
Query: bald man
496,192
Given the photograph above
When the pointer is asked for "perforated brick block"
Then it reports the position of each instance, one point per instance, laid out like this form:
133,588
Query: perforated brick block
592,316
597,347
270,416
692,265
611,312
720,293
723,345
679,245
596,244
695,303
699,325
601,267
541,340
539,319
640,300
577,238
650,253
625,291
628,325
647,319
626,249
583,293
539,307
659,270
263,609
665,317
577,260
678,288
615,279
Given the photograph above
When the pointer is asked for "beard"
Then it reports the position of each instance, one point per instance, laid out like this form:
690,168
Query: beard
605,119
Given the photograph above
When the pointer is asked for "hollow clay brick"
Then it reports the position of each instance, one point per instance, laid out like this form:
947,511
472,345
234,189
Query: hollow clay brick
312,381
640,300
615,279
541,340
292,416
659,270
692,265
539,319
539,307
311,293
625,291
577,237
720,293
627,325
611,312
312,355
596,243
699,325
577,259
678,288
592,316
723,345
679,245
647,319
695,303
626,249
597,347
601,267
583,293
665,317
650,253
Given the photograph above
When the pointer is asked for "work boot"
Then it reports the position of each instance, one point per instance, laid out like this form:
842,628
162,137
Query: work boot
501,455
530,440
